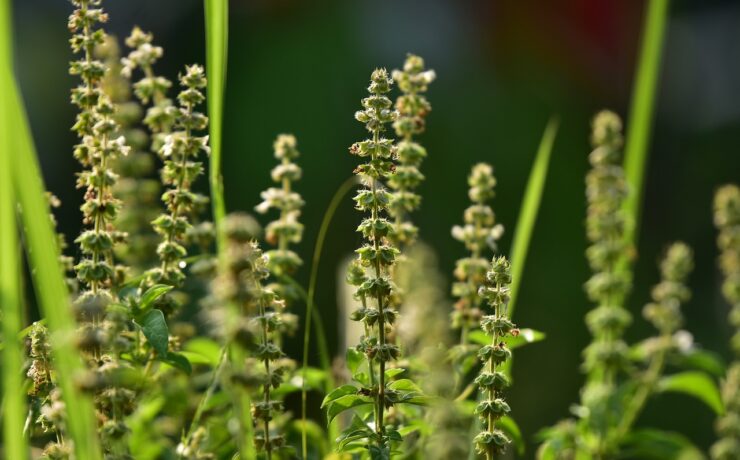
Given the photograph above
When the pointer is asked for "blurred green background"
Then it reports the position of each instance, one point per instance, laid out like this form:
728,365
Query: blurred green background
503,68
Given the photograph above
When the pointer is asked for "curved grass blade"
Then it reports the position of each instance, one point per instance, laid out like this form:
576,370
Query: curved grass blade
524,229
42,250
48,281
15,444
311,311
217,37
641,111
530,208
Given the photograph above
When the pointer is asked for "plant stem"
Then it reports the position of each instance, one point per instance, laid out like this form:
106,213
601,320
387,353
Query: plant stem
641,112
206,396
643,392
217,38
312,311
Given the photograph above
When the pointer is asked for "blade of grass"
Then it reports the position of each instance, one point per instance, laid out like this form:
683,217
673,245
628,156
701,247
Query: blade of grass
530,208
15,444
48,282
217,37
312,312
641,111
43,254
523,234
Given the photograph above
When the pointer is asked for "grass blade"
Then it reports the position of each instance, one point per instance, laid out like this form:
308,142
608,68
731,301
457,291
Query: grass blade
48,282
642,110
15,444
217,37
312,312
530,208
43,253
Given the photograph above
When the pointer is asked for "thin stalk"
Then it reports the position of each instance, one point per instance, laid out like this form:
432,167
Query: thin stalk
642,110
51,290
530,209
206,397
15,443
312,313
647,387
266,388
217,38
495,339
381,320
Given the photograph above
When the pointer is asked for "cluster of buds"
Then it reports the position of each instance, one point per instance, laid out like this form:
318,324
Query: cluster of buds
492,381
413,107
727,220
99,147
100,334
261,318
479,234
180,152
137,190
664,312
287,229
605,226
370,273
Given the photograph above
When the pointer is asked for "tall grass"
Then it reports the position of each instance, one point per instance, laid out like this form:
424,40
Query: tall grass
530,208
11,305
217,38
42,251
639,123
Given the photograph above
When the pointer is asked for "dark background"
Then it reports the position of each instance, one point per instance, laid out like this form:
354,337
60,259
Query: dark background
503,68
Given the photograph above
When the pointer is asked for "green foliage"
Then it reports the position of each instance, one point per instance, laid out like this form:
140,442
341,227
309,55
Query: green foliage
727,221
11,304
212,380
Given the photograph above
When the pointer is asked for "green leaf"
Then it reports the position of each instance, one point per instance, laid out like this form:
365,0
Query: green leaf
644,94
354,360
377,453
696,384
151,295
196,358
338,393
703,360
390,373
404,385
650,444
344,403
529,210
178,361
207,349
526,336
509,426
42,251
154,327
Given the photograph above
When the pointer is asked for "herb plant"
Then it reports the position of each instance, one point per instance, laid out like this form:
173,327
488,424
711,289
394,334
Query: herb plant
175,340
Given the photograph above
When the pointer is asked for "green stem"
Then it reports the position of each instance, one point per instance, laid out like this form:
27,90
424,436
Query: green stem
206,397
647,387
217,37
312,313
11,301
641,112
